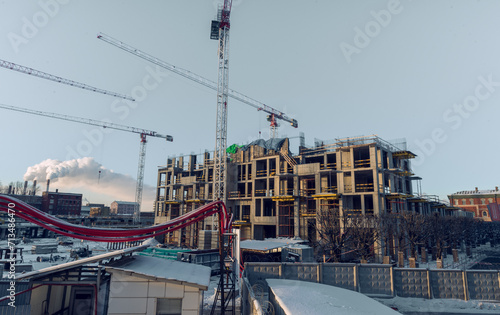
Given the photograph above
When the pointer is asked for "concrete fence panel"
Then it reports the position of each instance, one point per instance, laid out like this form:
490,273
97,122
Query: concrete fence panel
339,275
483,285
375,279
249,304
302,272
447,284
259,272
411,283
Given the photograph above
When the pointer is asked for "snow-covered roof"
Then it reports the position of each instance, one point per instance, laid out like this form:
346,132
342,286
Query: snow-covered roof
153,267
268,243
84,261
477,192
125,202
302,297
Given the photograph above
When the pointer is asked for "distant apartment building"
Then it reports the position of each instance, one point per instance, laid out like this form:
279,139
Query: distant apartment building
482,203
99,211
58,203
122,208
272,193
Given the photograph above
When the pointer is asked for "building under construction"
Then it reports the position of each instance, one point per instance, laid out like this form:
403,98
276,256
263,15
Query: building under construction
273,193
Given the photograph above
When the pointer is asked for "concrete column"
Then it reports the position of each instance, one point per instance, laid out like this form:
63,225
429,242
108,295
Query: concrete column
296,207
340,182
317,183
351,154
363,204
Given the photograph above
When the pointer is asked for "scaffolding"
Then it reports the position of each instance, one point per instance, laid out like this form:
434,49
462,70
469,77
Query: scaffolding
285,219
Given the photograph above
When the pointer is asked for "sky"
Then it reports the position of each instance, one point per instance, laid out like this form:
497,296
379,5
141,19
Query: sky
427,71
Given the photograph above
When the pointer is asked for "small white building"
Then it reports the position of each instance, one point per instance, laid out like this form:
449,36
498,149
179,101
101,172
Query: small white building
150,285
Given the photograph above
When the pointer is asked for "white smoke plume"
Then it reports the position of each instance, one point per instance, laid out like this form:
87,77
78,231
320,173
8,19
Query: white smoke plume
89,175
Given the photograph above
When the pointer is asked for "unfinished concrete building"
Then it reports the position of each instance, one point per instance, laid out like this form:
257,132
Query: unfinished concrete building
273,193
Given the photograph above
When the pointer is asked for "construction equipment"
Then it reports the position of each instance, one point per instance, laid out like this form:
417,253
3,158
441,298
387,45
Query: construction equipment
220,160
274,114
44,75
142,152
226,283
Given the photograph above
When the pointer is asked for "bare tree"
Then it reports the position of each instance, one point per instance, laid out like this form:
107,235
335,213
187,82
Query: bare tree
412,226
454,231
387,224
332,232
365,232
437,232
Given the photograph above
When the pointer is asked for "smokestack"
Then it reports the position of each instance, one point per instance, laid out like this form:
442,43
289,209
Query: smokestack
25,187
48,183
10,190
34,187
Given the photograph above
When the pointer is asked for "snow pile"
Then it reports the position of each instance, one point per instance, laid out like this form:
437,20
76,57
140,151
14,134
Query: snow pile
301,297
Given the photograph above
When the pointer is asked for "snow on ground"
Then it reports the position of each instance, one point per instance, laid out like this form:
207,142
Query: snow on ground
414,305
410,305
209,295
479,253
62,251
301,297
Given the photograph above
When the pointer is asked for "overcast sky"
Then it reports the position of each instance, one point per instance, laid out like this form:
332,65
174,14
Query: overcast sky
427,71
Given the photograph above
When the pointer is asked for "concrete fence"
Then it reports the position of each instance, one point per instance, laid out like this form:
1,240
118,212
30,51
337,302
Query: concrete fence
249,304
385,280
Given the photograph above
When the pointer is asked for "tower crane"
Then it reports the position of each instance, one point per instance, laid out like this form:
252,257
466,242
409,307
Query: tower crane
273,114
142,151
227,280
220,160
44,75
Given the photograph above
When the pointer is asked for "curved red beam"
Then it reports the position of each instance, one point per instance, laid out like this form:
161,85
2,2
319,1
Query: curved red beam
44,217
31,214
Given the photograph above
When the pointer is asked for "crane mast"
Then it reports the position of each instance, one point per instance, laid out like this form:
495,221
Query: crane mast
44,75
142,151
220,160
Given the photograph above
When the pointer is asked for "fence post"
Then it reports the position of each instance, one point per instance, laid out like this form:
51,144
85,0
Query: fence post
466,285
356,278
320,273
429,284
392,280
499,279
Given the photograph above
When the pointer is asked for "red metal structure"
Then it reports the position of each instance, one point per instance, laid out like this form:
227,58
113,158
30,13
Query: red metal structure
17,208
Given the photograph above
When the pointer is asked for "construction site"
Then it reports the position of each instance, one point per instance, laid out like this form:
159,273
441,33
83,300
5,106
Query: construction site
274,193
246,220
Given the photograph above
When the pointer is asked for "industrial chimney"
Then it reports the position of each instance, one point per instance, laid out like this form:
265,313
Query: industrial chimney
34,187
48,183
25,187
